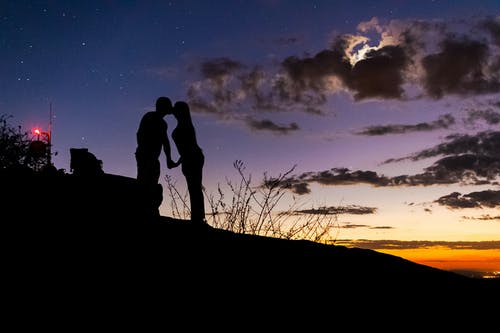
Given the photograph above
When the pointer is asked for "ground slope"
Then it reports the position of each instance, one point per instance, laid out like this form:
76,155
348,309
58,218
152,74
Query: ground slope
91,241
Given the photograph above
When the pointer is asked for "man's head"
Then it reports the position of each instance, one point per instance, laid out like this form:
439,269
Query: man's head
164,105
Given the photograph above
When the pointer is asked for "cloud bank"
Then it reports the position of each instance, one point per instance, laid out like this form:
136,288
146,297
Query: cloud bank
456,200
403,245
464,159
410,59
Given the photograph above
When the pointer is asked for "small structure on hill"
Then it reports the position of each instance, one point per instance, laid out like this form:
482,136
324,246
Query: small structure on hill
84,163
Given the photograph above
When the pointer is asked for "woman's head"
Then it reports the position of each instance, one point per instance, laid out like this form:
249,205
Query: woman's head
181,110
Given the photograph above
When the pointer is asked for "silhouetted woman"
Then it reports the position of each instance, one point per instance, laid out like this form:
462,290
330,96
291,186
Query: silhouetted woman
191,159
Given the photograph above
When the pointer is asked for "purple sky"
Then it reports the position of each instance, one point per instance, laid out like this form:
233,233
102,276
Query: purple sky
389,110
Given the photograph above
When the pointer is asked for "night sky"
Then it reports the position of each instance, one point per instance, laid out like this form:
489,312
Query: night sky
388,112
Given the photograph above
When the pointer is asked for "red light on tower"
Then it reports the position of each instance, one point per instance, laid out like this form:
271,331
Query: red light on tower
40,146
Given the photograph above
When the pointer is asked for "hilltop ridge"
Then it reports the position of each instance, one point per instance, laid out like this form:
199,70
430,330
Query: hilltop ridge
91,237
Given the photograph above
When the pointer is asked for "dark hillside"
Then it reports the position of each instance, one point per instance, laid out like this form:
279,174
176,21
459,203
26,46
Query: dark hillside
74,240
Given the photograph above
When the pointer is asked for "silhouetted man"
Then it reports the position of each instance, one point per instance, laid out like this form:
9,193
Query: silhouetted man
152,137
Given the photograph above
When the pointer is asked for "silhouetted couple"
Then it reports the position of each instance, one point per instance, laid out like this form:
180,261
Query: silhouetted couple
152,137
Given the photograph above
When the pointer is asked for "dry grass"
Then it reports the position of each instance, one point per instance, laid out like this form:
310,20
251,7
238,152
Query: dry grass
242,207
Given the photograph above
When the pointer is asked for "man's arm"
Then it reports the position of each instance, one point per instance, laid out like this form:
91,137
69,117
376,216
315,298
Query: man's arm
168,151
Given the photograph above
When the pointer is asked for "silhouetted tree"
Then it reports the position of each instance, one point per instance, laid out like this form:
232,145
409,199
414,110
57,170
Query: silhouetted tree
18,150
14,145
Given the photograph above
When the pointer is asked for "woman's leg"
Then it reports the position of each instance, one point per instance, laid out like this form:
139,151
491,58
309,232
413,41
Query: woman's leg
195,188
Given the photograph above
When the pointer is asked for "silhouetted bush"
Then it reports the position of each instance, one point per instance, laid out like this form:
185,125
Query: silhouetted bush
250,209
14,145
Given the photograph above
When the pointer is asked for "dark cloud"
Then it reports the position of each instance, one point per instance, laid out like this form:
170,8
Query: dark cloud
216,69
201,105
299,184
343,176
305,80
336,210
492,25
354,226
228,86
489,116
486,217
251,82
427,178
231,90
473,159
404,245
455,200
405,66
444,121
379,74
460,68
466,168
299,187
269,125
483,143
